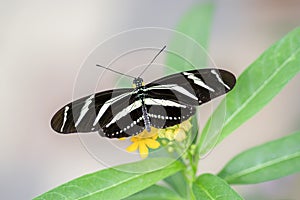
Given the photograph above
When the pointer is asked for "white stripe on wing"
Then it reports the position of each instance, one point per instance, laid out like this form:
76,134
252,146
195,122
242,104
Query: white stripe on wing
65,118
198,81
109,103
173,87
84,109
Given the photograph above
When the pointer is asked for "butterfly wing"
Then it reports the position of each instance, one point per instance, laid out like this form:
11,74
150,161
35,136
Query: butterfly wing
126,120
166,113
90,113
193,87
172,99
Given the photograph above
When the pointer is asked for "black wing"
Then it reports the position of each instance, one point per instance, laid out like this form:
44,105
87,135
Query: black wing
165,113
176,96
126,119
93,112
193,87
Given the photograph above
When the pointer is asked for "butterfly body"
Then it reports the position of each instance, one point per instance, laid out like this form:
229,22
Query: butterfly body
162,103
138,82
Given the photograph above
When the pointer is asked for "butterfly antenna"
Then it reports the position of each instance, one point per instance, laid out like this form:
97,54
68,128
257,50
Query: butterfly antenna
114,71
151,61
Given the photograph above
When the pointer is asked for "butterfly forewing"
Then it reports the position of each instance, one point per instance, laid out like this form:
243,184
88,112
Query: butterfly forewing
193,87
84,115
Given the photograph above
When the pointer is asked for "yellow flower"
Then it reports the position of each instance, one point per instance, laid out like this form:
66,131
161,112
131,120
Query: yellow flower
147,140
143,141
177,132
186,125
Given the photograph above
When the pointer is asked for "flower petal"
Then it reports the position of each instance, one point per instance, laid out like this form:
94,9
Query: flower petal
179,135
146,134
186,125
134,139
143,150
153,144
132,147
169,134
153,130
154,137
161,133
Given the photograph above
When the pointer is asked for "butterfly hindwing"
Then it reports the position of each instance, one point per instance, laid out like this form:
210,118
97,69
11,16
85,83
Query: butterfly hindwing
126,122
164,113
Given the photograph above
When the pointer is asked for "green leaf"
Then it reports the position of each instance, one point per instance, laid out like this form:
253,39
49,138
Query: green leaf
115,183
188,46
155,192
265,162
255,88
211,187
178,183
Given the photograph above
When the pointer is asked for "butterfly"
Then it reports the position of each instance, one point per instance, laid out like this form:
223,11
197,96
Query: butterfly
162,103
128,111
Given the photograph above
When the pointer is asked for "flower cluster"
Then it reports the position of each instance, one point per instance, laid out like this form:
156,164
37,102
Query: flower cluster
177,132
148,140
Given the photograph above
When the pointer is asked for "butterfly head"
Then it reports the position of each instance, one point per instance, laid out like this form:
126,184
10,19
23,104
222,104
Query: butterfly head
138,82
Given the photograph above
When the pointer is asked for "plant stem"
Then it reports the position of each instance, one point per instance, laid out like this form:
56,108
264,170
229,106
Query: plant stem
190,172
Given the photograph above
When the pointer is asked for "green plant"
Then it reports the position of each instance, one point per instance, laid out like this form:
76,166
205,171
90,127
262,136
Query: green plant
255,88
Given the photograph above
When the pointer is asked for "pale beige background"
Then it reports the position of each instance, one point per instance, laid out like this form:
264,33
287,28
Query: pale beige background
43,43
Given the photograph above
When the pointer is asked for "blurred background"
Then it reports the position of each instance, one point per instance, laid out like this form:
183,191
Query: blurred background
43,43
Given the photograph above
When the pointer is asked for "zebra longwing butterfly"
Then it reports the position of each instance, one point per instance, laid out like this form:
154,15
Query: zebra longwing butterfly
162,103
128,111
